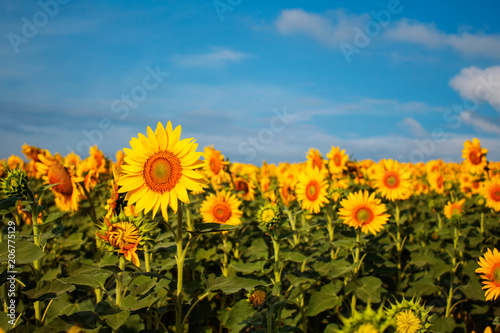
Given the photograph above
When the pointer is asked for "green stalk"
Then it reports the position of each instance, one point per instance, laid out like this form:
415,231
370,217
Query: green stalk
179,258
36,239
119,281
225,259
399,244
452,273
147,258
277,270
331,229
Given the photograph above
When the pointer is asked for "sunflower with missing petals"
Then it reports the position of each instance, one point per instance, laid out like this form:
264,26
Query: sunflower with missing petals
362,210
221,208
474,156
311,190
453,208
160,169
489,270
215,166
392,180
66,192
491,192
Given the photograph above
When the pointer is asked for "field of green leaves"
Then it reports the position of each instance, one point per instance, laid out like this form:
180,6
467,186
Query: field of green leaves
166,239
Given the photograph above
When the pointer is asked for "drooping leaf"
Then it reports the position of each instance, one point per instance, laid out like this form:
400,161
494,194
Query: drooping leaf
232,284
48,290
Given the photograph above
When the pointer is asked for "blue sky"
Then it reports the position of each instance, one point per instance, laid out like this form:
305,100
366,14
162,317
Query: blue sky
410,80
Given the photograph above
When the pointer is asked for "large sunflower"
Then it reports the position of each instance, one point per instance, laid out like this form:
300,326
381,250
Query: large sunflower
159,170
221,208
312,189
474,156
490,272
66,192
392,180
361,210
491,191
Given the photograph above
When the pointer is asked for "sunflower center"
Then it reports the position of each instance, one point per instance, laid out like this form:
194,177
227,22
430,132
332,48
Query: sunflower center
337,160
391,180
407,322
241,185
215,165
474,157
162,171
222,212
456,211
495,194
267,215
364,215
312,190
258,297
58,174
495,274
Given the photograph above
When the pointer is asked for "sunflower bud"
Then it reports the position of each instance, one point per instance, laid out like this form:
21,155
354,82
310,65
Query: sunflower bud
269,215
257,296
15,183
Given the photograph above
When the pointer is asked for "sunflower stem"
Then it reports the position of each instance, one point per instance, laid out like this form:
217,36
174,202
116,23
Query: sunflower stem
399,244
331,229
277,268
36,239
92,214
179,324
225,258
147,258
119,281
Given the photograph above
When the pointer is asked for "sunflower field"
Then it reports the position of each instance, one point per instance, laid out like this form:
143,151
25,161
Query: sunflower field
166,238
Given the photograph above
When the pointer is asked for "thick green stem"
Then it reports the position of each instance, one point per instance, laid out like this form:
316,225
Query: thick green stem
331,230
119,282
147,258
36,239
399,244
225,259
277,268
180,267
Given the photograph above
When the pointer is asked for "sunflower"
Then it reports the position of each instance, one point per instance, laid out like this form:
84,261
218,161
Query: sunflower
66,192
409,316
474,156
490,272
337,160
269,215
215,166
363,210
407,322
221,208
436,182
311,190
245,188
392,180
315,160
159,170
124,237
453,208
491,192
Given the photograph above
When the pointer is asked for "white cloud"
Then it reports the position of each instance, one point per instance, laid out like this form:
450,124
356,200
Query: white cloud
479,85
329,29
428,35
217,57
415,32
413,127
480,124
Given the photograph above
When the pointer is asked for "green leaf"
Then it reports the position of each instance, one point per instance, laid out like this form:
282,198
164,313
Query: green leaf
25,252
232,284
212,227
48,290
369,289
241,311
324,299
94,281
7,205
114,317
55,216
248,267
56,231
294,256
169,246
341,267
